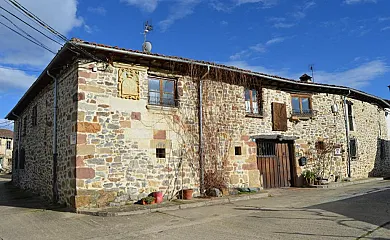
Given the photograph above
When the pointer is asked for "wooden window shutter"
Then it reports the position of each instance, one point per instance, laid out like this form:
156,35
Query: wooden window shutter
279,116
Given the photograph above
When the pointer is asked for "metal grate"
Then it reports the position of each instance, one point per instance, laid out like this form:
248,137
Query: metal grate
266,149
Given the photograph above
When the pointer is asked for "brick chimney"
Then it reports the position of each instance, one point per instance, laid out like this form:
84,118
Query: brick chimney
305,78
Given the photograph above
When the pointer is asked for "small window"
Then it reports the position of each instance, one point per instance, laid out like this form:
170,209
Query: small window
253,101
34,116
237,151
266,149
24,126
301,105
160,152
353,148
8,145
350,117
162,92
320,145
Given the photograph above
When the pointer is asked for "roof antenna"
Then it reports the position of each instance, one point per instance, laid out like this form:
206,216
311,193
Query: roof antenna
311,68
147,45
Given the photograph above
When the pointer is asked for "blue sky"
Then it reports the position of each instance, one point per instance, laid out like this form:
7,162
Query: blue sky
346,40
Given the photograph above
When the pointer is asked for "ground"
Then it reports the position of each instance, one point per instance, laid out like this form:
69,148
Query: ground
354,212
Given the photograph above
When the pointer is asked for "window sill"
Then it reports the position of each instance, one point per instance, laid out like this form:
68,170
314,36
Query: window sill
162,108
301,118
253,115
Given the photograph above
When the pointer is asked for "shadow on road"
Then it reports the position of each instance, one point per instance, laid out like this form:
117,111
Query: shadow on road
12,196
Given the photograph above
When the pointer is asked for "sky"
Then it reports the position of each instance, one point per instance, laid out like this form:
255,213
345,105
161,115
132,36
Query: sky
346,41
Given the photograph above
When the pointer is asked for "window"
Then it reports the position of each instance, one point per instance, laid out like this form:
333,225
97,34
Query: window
8,144
160,152
353,148
237,151
24,126
266,149
253,101
301,105
162,91
34,116
350,116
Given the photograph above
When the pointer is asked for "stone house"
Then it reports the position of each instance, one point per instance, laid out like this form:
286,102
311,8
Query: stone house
6,146
127,123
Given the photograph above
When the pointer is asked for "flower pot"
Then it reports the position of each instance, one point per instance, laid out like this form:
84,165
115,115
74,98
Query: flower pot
187,194
158,196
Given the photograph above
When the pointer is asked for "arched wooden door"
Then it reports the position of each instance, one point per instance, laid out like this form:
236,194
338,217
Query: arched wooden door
274,164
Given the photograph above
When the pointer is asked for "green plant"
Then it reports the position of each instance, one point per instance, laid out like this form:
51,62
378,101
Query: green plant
148,200
309,176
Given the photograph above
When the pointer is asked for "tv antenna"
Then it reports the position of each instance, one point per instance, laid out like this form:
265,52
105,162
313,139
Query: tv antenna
147,45
311,68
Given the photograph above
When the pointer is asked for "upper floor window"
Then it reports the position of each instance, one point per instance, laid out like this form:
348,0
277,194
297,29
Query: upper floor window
162,91
8,145
301,105
34,116
350,116
253,101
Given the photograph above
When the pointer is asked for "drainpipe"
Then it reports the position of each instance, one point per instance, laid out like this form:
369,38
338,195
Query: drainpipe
19,135
347,132
55,153
200,115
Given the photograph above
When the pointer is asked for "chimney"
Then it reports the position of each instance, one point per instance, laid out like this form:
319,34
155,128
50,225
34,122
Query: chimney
305,78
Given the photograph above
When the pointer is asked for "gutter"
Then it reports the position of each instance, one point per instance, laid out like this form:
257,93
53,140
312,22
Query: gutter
55,153
137,54
200,120
347,133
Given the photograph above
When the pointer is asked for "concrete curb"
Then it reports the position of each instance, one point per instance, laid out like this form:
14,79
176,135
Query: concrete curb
181,206
343,184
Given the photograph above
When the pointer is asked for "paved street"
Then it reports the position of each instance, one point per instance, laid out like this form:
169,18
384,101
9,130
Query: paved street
354,212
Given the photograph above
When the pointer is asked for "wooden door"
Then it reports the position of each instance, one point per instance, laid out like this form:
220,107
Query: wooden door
273,162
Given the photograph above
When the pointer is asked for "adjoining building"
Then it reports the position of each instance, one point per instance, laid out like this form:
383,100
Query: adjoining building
6,150
103,125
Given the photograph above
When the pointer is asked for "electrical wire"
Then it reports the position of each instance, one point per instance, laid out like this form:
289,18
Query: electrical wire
26,37
30,25
52,30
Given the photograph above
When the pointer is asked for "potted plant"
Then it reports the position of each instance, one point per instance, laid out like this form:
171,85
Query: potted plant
187,194
309,176
148,200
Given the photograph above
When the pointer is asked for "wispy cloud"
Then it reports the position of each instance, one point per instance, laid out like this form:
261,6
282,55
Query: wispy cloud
178,11
301,10
258,48
383,19
359,1
356,77
224,23
98,10
275,40
385,28
284,25
227,6
145,5
13,78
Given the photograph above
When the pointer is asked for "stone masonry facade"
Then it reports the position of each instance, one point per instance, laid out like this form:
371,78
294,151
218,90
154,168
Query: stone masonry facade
37,141
107,143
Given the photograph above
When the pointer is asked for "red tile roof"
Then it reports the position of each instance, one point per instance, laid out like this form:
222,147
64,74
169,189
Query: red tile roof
5,133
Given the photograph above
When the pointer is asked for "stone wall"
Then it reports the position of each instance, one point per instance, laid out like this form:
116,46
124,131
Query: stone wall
117,140
37,175
117,137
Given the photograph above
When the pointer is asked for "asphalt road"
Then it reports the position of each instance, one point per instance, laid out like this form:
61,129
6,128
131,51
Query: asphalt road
353,212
